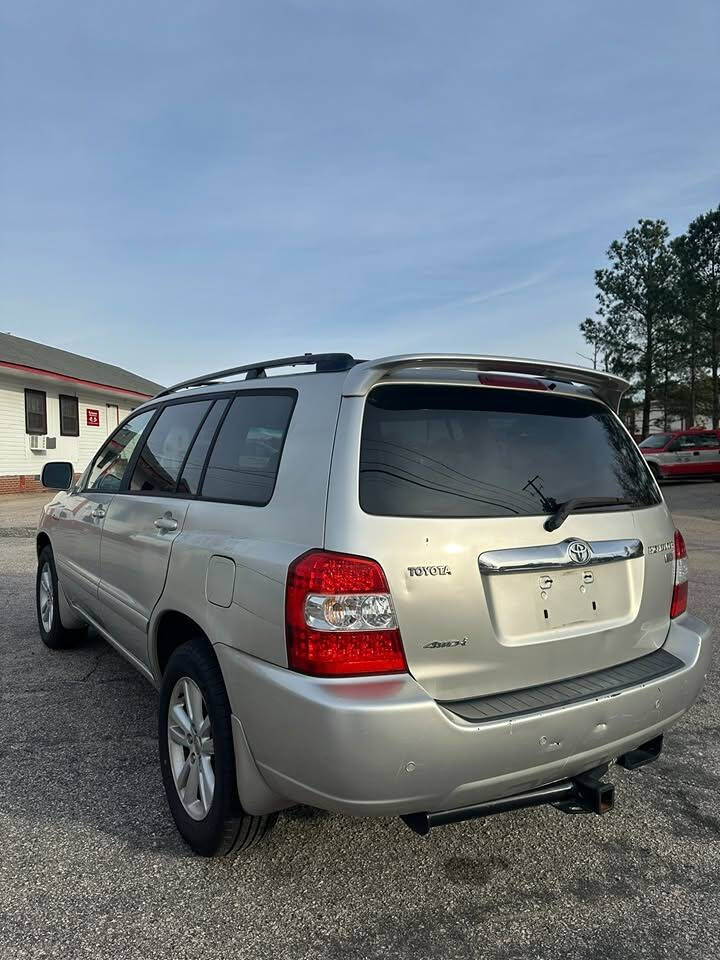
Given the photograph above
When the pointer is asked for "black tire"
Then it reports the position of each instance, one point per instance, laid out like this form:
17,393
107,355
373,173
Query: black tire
226,829
57,637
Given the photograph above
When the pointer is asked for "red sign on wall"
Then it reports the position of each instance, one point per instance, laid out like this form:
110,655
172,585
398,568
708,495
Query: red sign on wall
93,417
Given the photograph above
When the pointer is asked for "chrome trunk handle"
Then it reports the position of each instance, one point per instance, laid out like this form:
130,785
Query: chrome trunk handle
555,556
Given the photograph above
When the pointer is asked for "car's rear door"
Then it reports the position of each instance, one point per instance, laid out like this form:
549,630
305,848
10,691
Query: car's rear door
685,458
144,519
709,447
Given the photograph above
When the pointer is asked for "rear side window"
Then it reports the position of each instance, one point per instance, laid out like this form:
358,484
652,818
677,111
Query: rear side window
436,451
244,462
707,441
111,463
655,442
158,467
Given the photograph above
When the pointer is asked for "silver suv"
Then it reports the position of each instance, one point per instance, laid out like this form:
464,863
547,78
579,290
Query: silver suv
438,587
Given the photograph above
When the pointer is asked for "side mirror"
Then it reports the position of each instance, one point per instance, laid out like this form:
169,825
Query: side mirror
674,446
57,475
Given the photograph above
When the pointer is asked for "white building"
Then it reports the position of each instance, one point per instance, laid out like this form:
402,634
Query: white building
56,405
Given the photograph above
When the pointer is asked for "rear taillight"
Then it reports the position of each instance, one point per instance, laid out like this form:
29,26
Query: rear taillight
339,617
680,589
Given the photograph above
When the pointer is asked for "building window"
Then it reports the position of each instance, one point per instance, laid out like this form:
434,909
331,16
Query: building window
35,411
69,417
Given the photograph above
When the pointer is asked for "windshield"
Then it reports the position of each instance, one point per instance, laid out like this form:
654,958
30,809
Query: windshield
437,451
655,442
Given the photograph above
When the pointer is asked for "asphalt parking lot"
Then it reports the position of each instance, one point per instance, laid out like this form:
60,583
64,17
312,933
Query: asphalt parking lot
91,865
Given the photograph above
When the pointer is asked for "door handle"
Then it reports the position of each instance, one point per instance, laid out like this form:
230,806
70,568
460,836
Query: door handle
165,523
696,453
98,513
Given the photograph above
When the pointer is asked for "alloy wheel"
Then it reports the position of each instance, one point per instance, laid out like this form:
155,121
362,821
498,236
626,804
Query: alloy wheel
46,598
191,748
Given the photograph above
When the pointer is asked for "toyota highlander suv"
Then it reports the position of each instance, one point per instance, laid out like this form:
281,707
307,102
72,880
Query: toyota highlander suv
437,587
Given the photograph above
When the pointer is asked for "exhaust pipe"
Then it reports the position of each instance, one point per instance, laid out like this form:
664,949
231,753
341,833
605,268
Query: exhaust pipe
586,793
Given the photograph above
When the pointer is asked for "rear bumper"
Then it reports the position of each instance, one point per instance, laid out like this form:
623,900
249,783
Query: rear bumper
383,746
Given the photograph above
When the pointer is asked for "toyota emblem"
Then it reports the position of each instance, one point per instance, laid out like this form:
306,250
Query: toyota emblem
578,551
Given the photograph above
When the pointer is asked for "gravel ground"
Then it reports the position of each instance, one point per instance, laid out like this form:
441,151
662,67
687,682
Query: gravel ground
91,865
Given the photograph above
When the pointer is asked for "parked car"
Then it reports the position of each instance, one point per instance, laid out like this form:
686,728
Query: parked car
430,586
683,454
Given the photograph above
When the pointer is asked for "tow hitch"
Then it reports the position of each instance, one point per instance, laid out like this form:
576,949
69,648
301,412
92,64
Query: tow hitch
586,793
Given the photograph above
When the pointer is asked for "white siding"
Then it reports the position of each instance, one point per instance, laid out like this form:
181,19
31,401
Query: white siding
16,458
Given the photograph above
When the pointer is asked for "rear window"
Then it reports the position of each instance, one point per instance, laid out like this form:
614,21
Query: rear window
655,442
436,451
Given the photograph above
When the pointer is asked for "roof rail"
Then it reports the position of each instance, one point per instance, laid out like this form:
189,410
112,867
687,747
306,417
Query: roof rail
323,363
365,375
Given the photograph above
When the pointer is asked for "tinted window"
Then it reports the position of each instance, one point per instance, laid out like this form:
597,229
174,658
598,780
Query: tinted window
244,462
69,419
161,458
655,442
433,451
707,441
111,463
192,471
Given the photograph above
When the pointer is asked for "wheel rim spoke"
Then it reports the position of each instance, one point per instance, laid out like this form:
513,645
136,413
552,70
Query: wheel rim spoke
188,701
196,705
192,784
206,787
177,735
182,719
207,747
182,777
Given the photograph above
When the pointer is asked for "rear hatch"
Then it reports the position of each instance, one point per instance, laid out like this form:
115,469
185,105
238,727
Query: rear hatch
456,483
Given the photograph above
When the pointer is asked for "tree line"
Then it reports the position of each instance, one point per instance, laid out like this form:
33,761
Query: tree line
657,321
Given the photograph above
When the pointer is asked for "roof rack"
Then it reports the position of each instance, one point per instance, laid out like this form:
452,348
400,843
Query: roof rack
323,363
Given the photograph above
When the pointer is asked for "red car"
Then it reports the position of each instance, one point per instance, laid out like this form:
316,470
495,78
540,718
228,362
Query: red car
683,454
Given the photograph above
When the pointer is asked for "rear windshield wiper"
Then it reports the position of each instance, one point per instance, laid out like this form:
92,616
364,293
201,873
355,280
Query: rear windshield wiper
565,509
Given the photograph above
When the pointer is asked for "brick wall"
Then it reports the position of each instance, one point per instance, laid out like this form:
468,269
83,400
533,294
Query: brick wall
27,483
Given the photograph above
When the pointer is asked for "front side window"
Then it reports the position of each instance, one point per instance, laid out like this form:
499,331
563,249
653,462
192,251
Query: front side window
35,412
245,459
436,451
111,463
655,441
69,417
158,467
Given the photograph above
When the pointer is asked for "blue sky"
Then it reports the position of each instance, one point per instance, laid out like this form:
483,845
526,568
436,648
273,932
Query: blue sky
185,185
